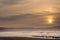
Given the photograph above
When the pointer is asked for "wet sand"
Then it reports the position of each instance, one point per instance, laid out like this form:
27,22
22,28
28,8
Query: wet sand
23,38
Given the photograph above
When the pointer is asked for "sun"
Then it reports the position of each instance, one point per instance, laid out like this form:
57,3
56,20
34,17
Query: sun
50,21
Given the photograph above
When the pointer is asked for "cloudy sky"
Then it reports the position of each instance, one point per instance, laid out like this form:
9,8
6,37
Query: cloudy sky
19,12
17,7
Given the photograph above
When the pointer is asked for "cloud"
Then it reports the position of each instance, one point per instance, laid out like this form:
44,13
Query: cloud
8,2
17,7
30,21
25,20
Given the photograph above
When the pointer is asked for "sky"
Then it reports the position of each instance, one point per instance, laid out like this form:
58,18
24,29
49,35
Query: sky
17,7
26,12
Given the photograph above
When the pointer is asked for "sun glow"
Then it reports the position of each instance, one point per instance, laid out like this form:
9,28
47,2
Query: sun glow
50,19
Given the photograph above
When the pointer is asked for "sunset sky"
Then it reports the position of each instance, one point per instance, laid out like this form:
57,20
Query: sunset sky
27,12
17,7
